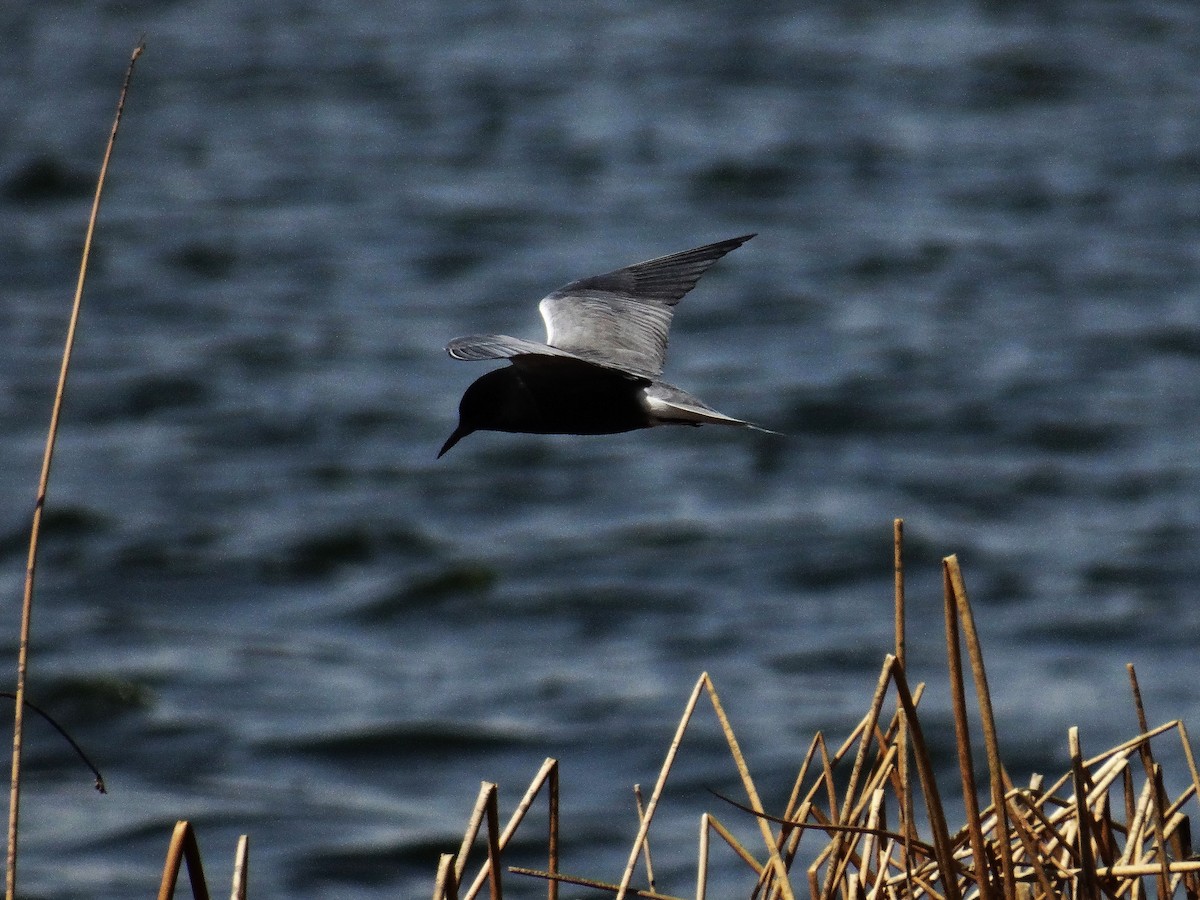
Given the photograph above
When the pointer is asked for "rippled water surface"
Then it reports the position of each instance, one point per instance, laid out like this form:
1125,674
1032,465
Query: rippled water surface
265,607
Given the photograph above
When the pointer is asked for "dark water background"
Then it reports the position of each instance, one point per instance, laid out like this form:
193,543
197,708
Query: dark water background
264,606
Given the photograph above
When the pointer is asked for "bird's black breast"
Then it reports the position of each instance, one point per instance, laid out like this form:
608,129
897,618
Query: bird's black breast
567,396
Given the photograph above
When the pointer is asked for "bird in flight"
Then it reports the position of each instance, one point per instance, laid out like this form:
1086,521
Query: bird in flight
598,371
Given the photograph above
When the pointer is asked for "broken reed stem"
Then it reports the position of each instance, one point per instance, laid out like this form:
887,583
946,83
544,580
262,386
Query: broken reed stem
183,848
702,862
548,773
898,572
868,730
991,741
1090,888
446,885
241,868
473,824
14,802
962,733
551,768
493,836
907,826
1147,757
641,811
933,800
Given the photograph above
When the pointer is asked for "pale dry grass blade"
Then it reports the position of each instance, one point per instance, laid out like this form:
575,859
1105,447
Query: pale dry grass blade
446,885
734,844
241,869
473,825
14,798
641,811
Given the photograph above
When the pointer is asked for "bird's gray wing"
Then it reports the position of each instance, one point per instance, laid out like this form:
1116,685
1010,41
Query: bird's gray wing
500,346
529,356
621,319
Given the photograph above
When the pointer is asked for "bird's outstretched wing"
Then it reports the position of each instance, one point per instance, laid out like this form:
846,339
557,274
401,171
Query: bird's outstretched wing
621,319
533,357
500,346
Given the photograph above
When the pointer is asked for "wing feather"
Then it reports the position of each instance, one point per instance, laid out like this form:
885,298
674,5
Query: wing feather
622,318
499,346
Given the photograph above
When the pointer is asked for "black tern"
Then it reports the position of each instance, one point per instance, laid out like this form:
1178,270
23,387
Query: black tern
597,373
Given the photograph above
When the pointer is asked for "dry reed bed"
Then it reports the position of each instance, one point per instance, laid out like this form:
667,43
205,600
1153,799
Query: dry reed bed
1104,828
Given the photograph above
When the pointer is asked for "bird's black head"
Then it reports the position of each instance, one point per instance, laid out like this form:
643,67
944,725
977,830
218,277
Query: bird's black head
498,401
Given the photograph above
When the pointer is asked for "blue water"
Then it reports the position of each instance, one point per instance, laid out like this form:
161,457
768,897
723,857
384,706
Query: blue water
263,606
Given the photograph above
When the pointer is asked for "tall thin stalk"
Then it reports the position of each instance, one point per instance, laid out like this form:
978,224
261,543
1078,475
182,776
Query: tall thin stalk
14,803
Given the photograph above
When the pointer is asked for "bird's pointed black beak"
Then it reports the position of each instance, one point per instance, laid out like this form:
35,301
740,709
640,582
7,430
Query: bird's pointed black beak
459,433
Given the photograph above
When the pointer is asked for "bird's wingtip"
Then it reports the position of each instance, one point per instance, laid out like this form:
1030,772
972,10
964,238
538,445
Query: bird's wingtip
759,428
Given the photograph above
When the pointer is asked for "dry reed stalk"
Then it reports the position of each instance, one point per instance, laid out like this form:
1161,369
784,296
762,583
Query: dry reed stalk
962,733
590,883
1147,757
241,869
473,825
734,844
183,848
14,801
1191,760
933,800
702,862
849,854
1090,888
987,718
868,727
550,767
898,579
547,774
905,801
637,796
1026,836
446,885
493,836
788,841
868,871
